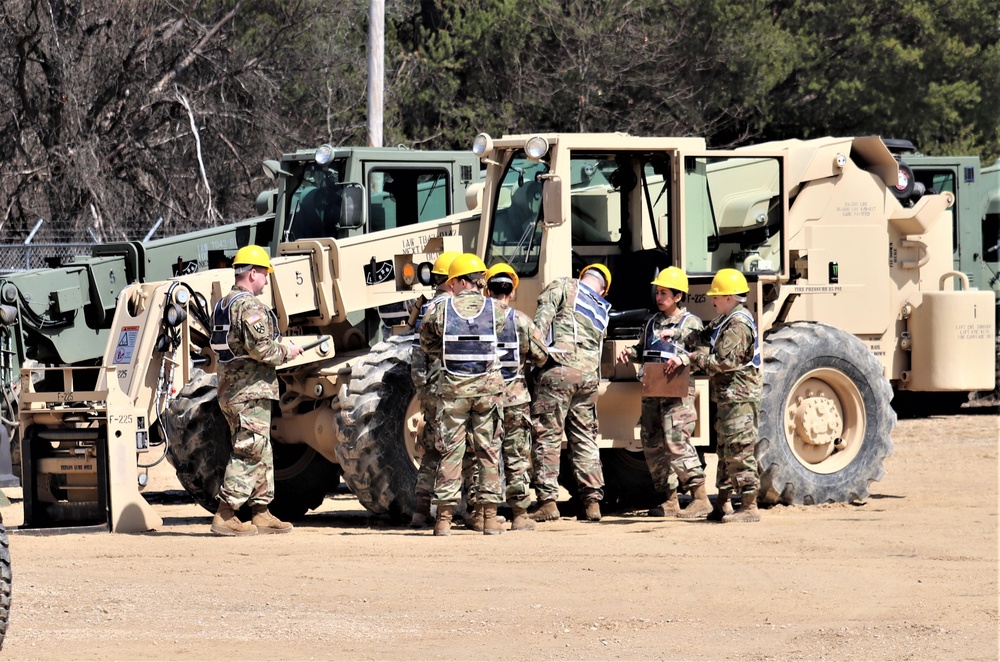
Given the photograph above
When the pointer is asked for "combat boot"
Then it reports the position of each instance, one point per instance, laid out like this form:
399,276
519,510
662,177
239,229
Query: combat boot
473,519
669,508
442,527
699,506
268,523
421,513
722,506
591,511
491,527
747,511
225,523
547,511
521,521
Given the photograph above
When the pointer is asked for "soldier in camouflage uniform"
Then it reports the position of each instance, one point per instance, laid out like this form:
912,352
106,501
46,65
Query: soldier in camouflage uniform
732,362
517,345
425,372
668,423
573,315
462,333
245,336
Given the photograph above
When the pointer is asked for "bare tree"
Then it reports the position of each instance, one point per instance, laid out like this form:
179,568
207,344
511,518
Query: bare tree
117,113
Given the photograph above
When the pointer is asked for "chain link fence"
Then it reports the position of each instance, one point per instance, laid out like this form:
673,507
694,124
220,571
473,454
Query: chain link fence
21,257
49,245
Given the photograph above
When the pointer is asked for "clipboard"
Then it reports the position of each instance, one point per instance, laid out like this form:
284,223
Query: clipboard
656,383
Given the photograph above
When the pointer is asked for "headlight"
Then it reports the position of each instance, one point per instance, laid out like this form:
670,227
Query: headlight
536,148
424,275
9,293
482,145
324,154
181,295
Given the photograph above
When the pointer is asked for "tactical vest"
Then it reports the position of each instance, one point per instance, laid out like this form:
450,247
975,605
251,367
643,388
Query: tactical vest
469,346
656,350
392,314
509,348
220,328
591,305
745,314
425,307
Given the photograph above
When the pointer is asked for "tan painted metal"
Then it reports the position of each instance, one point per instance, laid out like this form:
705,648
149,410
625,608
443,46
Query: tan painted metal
70,428
834,205
949,332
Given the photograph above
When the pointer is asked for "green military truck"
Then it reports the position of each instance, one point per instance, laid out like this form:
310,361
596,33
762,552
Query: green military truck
61,316
975,234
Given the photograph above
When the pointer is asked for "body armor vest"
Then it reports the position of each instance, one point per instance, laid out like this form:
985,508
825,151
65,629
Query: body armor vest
392,314
744,313
509,348
469,346
591,305
220,328
655,350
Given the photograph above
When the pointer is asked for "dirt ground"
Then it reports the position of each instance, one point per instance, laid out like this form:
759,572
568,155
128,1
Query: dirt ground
909,575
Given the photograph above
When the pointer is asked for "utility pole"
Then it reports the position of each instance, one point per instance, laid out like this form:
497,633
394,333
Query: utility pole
376,63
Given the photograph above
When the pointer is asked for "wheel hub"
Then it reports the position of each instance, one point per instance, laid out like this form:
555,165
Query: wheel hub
815,421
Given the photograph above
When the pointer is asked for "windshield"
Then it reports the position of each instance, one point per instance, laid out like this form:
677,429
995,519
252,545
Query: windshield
316,201
516,234
601,216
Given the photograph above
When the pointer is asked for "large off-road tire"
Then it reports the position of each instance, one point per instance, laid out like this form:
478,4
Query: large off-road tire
380,418
825,417
5,583
200,446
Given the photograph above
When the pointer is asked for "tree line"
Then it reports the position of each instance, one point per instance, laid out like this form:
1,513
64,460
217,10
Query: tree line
118,113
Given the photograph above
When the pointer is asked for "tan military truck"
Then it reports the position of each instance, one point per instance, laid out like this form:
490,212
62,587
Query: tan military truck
851,278
852,288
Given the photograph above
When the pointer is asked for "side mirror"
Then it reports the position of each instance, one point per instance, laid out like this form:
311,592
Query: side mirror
267,202
272,169
552,200
354,208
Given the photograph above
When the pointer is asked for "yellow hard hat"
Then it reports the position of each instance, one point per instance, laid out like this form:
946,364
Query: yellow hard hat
502,268
728,281
605,274
466,264
254,255
443,262
672,278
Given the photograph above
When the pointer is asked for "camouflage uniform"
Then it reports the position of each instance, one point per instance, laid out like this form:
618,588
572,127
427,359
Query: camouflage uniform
470,403
732,363
516,445
247,385
566,390
668,423
425,372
